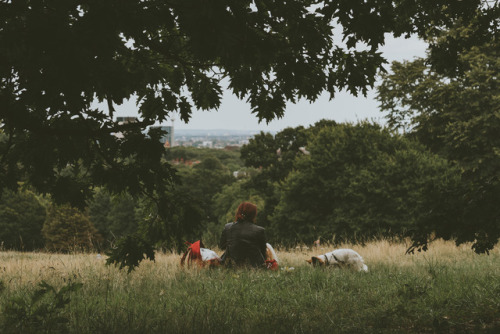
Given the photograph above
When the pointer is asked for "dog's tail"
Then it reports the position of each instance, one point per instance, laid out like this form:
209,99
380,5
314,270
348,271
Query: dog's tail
365,268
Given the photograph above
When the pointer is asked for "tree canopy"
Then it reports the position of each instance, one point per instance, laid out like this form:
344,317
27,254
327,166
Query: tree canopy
359,182
58,56
68,229
457,115
113,216
21,220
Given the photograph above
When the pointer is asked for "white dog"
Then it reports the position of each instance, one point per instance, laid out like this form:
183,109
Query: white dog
340,258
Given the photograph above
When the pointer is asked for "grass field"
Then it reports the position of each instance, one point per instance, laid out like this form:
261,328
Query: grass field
448,289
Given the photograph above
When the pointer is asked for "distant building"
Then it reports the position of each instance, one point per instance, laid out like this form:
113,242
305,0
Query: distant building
207,144
126,119
168,138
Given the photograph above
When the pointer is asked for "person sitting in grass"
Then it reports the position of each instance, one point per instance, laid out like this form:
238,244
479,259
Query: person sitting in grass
243,241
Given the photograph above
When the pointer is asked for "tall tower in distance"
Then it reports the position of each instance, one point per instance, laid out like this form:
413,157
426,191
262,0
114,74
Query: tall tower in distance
167,139
172,143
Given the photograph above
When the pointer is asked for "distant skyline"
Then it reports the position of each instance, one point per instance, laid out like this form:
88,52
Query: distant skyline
236,114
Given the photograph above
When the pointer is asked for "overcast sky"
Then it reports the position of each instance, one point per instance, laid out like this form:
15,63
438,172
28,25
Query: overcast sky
235,114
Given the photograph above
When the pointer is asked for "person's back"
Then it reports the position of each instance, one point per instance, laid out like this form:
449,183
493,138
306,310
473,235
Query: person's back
243,241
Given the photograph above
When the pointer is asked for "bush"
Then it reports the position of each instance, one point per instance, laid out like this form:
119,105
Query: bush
21,220
68,229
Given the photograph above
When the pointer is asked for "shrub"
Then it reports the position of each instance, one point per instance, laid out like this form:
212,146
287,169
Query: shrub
41,312
68,229
21,220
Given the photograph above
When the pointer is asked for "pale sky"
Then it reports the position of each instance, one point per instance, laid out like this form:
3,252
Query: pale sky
236,114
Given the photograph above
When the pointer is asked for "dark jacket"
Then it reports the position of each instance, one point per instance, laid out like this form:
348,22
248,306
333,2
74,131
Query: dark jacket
244,243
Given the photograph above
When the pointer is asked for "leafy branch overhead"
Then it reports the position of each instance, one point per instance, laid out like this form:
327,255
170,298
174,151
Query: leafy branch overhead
57,57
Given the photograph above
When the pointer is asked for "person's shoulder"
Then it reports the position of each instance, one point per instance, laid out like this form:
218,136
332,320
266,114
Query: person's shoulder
258,228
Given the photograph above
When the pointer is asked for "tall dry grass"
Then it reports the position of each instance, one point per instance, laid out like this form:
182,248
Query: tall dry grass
446,289
389,252
28,269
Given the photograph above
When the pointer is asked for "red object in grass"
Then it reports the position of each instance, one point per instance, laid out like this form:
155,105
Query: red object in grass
272,264
193,251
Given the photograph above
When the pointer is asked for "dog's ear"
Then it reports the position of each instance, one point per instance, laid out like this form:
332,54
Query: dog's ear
316,261
310,261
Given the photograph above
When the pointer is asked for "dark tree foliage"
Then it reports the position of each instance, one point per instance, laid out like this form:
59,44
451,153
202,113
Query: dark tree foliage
68,229
58,56
182,154
456,115
183,216
130,251
114,216
202,182
98,208
274,157
446,46
167,226
21,220
359,182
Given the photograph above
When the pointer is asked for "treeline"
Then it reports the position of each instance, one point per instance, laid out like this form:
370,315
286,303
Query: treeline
31,221
331,181
340,182
335,182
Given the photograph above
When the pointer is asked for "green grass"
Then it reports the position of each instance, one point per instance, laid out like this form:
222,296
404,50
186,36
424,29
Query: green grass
453,293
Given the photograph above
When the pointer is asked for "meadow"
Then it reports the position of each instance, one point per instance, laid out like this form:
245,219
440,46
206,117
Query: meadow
447,289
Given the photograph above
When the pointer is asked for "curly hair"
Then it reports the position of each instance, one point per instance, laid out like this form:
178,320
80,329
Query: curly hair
246,211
